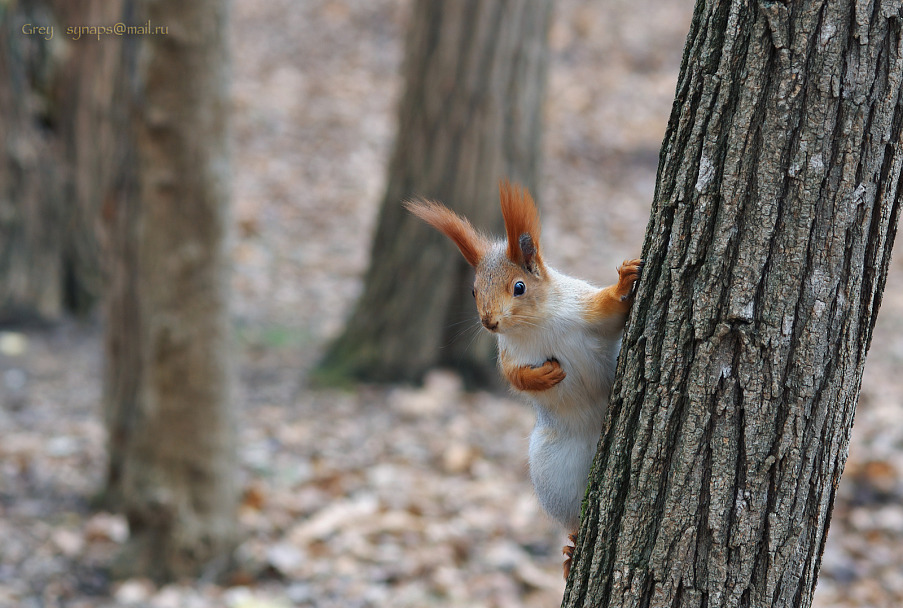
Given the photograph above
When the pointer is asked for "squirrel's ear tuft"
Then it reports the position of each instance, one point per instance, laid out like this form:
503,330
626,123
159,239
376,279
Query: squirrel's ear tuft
521,225
472,244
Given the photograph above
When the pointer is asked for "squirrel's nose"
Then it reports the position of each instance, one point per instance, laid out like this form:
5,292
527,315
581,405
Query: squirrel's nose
488,323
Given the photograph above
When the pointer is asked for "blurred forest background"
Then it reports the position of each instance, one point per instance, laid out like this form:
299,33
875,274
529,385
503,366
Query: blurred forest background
365,495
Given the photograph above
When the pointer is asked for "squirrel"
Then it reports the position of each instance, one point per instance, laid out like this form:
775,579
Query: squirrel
558,343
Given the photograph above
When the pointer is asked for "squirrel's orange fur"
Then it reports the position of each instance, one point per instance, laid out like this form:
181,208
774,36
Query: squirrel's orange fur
521,218
531,378
615,299
472,244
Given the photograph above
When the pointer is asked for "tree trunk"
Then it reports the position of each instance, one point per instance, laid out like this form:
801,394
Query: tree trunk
91,123
170,414
31,192
471,114
775,212
56,132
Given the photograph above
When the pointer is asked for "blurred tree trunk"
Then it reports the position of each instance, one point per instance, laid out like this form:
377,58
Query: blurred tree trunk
776,208
90,127
170,412
55,98
471,113
31,184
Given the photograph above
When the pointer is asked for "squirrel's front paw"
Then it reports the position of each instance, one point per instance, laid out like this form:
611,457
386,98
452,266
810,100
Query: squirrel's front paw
628,275
540,378
551,373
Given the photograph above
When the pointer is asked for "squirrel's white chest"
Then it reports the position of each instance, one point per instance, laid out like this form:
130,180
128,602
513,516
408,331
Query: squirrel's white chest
588,361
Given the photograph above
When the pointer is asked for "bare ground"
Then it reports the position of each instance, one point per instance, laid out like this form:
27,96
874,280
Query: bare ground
390,496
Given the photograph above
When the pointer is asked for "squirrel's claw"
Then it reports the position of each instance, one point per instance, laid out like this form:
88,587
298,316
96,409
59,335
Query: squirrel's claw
628,276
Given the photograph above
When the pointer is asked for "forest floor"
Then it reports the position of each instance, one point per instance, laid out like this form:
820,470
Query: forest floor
390,496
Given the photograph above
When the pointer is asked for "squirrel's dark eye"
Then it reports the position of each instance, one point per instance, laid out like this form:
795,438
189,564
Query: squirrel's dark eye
519,288
473,292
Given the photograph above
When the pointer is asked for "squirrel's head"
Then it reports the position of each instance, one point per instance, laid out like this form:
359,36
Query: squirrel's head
510,283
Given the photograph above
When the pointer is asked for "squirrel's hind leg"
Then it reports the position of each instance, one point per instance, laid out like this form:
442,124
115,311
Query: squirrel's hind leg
568,552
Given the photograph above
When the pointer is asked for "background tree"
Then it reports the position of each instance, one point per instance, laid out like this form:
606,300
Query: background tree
775,212
169,409
55,99
471,113
91,127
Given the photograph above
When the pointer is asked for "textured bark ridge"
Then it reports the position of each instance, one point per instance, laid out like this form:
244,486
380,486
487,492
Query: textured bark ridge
776,207
475,73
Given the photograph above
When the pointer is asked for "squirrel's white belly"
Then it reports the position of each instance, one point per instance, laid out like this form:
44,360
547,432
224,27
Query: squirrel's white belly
569,417
559,467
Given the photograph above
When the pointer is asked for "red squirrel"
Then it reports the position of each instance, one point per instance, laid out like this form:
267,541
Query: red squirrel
558,342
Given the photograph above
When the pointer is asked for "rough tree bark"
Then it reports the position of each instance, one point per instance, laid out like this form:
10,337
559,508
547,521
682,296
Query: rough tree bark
471,114
170,415
776,207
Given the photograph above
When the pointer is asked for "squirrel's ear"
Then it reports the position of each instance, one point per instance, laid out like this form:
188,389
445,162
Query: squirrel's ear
521,225
472,244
